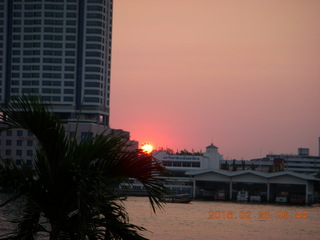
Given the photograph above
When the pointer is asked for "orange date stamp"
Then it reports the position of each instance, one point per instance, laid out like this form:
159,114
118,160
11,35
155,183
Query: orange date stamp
262,215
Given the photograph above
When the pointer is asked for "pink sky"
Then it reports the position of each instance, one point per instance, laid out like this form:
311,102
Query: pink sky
243,74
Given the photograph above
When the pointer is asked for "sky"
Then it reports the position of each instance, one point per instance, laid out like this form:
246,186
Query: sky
241,74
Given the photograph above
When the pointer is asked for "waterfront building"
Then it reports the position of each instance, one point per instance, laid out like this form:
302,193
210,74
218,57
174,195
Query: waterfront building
300,163
204,176
179,164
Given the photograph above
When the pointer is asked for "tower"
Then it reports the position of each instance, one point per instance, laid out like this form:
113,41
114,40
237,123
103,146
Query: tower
60,50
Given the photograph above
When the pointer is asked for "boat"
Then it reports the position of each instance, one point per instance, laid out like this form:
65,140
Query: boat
297,199
178,198
282,198
255,198
242,196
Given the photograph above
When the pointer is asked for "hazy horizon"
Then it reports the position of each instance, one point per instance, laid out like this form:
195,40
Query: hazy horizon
243,75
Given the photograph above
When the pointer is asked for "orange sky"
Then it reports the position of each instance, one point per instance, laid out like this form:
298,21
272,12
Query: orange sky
243,74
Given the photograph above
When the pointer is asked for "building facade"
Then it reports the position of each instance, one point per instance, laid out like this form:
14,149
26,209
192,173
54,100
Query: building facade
61,50
300,163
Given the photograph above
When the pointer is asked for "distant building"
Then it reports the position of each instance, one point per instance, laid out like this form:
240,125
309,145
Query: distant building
181,163
300,163
205,176
20,144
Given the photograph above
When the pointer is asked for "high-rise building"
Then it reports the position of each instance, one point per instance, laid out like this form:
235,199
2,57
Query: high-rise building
61,50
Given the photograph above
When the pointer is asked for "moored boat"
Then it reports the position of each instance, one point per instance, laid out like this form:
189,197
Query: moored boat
178,198
242,196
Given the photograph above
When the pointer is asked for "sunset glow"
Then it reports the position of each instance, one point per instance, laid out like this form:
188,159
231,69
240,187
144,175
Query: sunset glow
243,74
147,148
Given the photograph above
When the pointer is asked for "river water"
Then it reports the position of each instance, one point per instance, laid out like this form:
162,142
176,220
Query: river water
202,220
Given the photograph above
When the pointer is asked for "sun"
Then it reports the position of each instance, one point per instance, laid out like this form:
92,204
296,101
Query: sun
147,148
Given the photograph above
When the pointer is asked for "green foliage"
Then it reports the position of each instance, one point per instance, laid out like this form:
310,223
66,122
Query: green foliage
270,169
186,152
243,164
253,167
71,192
234,165
225,166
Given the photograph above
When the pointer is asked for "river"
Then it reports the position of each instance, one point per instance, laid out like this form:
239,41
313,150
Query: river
202,220
225,220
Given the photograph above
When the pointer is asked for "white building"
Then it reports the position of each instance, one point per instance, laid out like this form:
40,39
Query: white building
300,163
181,163
208,180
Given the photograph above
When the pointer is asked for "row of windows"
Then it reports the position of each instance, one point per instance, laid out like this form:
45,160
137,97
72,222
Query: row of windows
180,164
45,29
18,133
45,60
47,14
46,6
19,143
38,37
47,68
57,91
8,152
44,83
44,75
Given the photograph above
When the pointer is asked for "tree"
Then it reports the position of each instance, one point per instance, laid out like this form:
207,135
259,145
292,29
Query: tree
225,166
71,192
243,165
234,165
253,167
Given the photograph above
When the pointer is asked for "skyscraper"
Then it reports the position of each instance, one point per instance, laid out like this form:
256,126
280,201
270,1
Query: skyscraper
61,50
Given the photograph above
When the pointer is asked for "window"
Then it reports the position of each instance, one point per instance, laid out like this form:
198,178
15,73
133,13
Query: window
92,99
92,84
92,92
69,84
195,164
68,99
93,69
70,38
8,142
70,45
19,143
69,60
30,143
19,133
70,53
93,61
86,136
69,76
68,91
92,76
18,152
29,152
8,152
9,132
